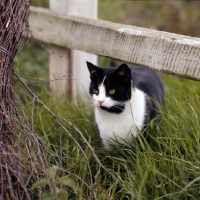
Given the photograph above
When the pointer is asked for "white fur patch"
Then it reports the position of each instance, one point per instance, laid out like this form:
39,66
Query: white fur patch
107,101
123,126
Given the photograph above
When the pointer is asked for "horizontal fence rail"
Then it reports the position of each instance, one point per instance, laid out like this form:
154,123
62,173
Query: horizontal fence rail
162,51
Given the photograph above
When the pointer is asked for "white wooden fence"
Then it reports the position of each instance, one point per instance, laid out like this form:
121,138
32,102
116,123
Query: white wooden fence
162,51
68,63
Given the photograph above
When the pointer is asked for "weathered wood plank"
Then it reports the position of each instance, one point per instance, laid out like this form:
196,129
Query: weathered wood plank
60,59
67,63
162,51
80,78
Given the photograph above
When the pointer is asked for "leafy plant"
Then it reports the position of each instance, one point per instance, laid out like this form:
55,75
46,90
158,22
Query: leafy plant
56,185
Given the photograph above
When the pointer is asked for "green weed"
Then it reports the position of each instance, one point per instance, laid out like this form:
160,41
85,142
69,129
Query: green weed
163,166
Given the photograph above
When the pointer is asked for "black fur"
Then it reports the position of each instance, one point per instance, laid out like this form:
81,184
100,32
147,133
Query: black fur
120,78
123,80
114,109
116,78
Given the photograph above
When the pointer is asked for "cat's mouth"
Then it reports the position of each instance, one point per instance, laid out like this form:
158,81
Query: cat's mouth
114,109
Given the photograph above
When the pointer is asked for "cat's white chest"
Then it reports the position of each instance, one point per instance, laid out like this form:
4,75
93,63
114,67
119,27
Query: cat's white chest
122,127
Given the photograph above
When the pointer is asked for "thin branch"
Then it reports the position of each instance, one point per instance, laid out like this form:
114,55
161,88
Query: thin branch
62,126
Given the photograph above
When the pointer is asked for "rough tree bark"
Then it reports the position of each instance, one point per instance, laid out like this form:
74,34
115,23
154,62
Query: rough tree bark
16,134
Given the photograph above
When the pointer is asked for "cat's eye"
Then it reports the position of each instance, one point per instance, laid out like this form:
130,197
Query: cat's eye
95,91
112,92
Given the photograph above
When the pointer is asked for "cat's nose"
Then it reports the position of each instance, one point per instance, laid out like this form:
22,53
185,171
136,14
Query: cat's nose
100,102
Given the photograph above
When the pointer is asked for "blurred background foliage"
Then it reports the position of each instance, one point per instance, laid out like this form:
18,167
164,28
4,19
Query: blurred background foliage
180,17
39,3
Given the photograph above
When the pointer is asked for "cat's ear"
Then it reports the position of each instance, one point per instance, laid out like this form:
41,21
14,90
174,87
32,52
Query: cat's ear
93,69
124,72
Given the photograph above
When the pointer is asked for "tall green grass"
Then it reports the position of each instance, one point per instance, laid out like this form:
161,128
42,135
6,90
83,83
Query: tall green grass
164,166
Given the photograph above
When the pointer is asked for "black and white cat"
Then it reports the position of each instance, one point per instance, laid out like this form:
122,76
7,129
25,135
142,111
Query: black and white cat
125,100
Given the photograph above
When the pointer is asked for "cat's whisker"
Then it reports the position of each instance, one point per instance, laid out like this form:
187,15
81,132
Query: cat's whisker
119,107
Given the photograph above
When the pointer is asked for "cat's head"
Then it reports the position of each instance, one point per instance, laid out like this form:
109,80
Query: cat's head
110,88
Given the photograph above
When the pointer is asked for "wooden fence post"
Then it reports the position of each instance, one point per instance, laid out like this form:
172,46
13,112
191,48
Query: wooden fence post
67,66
